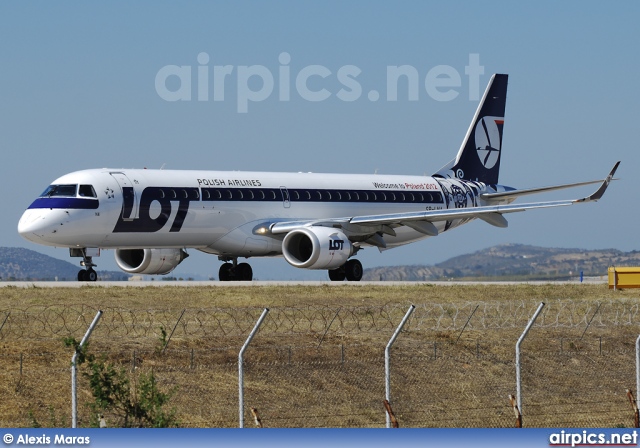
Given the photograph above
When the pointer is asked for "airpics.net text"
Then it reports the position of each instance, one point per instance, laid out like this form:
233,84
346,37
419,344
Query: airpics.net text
313,83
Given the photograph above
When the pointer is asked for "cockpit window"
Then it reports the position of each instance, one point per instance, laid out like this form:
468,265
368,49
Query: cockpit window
87,191
60,190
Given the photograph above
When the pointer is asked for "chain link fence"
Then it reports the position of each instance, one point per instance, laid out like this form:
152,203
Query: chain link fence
452,366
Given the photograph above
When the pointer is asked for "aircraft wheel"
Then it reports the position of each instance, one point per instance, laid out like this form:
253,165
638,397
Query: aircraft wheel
244,272
82,275
353,270
225,272
91,275
337,275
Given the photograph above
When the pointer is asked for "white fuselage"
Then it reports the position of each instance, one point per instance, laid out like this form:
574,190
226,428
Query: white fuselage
219,212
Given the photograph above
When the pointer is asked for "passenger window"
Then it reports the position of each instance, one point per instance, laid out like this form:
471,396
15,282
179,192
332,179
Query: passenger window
87,191
205,194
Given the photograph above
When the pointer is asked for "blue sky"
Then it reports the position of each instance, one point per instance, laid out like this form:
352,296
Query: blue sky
78,91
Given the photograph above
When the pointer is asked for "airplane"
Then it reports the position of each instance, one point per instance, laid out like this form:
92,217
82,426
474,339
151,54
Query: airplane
315,221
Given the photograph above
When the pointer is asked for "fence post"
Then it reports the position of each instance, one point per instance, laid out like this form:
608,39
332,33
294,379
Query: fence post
516,411
172,331
241,370
74,395
590,320
466,323
387,358
5,320
634,406
638,371
327,330
524,334
392,416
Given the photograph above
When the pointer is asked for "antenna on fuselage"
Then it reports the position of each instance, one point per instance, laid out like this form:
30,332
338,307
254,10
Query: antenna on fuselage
162,167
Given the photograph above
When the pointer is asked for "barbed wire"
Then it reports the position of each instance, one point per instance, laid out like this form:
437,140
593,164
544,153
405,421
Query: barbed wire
37,322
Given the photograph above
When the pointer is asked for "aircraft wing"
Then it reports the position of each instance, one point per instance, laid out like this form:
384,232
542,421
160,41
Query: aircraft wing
517,193
422,221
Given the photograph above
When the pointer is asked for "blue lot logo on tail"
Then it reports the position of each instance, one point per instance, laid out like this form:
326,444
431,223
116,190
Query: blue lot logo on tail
479,156
487,137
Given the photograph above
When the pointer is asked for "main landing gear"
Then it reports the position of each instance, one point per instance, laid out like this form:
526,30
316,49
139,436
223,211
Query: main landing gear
351,271
234,271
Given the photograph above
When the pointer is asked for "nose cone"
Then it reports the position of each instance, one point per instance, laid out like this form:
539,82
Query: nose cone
30,226
41,226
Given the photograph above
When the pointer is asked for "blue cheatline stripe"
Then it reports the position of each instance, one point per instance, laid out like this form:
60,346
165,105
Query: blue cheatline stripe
70,203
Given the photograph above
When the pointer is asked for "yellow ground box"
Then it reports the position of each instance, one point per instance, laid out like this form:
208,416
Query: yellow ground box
624,277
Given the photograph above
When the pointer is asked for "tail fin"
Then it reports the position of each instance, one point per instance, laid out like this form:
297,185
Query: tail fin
479,156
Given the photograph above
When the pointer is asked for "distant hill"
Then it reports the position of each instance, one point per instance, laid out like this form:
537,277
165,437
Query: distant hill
504,262
17,263
513,262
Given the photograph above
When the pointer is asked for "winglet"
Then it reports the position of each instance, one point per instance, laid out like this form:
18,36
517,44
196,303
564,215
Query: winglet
603,187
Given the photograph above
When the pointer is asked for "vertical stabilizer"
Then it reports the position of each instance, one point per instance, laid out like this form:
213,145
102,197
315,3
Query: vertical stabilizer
479,156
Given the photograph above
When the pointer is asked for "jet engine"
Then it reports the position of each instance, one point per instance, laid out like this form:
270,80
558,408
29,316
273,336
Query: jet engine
316,248
149,261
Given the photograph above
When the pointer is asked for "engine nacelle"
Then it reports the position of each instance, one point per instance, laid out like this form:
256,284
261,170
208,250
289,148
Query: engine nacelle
149,261
316,248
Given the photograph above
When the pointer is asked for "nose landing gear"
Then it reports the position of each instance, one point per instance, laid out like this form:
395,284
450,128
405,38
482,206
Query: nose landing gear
88,274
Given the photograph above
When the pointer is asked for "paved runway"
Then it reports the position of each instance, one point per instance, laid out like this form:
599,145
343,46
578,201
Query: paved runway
215,284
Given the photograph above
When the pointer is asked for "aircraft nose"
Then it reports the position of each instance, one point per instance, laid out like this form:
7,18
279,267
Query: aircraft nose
27,224
32,225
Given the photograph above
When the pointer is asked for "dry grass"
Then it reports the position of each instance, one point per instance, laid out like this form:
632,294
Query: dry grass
298,376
